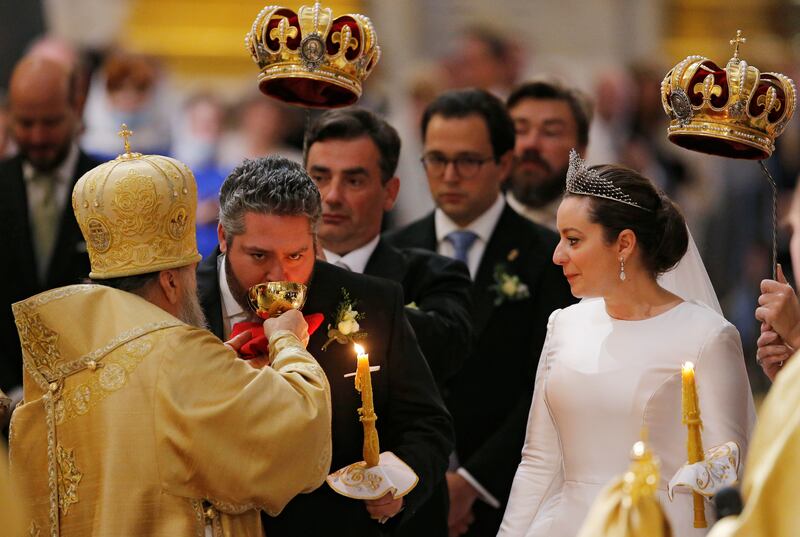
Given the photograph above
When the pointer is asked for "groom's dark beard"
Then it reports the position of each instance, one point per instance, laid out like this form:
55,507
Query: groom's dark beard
238,292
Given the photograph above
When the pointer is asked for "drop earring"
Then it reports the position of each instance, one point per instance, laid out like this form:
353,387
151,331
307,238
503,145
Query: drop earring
622,269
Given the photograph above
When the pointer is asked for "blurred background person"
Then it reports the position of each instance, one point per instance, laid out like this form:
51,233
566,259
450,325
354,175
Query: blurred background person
486,59
130,90
263,127
47,248
200,131
550,119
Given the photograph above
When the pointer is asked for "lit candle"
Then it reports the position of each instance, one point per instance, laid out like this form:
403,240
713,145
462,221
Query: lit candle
694,444
366,414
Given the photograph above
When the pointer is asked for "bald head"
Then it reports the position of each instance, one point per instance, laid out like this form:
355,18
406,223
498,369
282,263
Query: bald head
44,116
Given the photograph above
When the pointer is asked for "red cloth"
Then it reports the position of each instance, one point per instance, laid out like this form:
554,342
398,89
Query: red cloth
258,345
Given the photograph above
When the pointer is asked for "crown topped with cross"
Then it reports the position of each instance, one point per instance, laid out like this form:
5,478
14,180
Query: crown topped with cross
735,111
311,58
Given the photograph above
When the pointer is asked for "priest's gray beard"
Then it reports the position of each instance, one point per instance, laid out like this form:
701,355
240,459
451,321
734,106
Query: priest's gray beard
189,310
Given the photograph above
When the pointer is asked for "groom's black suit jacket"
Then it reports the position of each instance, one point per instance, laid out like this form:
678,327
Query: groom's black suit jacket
490,397
439,287
413,422
19,272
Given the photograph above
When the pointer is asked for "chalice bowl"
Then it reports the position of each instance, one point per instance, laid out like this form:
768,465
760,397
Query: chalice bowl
270,299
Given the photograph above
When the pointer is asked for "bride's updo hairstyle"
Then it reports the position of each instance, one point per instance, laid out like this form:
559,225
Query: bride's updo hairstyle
660,230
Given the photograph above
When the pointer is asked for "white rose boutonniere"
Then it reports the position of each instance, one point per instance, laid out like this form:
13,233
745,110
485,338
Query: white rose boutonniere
345,327
507,286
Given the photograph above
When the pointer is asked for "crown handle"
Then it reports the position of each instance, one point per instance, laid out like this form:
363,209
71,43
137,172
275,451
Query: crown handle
739,40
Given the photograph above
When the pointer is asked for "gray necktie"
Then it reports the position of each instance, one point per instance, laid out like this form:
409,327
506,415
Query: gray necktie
45,221
462,241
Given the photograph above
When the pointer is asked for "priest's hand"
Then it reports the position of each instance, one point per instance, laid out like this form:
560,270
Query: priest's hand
236,343
462,496
779,307
772,352
292,321
384,507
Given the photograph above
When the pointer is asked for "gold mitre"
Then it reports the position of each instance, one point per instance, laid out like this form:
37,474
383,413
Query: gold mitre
137,214
629,506
310,58
732,112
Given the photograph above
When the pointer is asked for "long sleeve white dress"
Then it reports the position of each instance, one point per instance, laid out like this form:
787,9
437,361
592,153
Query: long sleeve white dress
600,380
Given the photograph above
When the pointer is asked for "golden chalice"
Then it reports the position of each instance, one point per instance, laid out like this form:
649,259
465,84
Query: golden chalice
270,299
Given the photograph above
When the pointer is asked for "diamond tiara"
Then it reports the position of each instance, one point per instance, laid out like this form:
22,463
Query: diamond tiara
581,180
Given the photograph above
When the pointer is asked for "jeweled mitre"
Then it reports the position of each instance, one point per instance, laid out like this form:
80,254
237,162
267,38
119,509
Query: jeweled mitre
310,57
137,214
733,112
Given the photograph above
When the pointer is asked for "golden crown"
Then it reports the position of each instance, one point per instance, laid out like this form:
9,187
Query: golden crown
732,112
310,58
137,214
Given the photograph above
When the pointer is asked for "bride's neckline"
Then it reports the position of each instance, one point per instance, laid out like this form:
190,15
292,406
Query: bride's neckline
656,316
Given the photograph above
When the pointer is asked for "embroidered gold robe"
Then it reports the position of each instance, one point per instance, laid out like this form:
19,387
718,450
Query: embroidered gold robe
772,471
134,423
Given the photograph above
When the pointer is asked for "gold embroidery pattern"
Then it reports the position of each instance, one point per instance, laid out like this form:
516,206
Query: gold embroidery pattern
68,479
200,522
135,203
49,296
33,531
109,376
357,475
52,471
39,343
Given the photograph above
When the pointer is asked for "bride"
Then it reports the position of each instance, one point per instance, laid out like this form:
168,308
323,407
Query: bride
611,366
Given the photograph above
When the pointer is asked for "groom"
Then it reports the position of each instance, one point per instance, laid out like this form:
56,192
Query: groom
269,213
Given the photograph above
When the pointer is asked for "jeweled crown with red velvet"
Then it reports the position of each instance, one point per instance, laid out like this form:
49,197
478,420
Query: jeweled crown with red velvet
733,112
310,58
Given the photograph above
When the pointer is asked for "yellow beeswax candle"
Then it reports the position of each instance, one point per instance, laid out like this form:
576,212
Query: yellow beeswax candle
366,414
694,445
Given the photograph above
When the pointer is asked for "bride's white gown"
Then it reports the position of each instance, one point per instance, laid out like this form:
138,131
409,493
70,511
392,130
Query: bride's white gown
600,380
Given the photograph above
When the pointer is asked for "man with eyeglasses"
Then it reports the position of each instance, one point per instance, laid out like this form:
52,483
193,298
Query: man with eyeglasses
468,140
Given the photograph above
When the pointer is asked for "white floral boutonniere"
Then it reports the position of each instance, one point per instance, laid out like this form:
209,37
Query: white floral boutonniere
345,327
507,286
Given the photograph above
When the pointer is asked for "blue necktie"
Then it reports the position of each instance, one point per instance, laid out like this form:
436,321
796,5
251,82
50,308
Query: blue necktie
462,241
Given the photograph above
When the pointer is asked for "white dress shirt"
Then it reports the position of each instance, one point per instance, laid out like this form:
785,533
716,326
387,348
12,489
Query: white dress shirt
483,226
232,312
62,176
35,191
355,261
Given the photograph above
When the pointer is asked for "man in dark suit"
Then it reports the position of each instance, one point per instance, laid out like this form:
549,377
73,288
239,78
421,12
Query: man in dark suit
468,140
35,190
269,213
352,156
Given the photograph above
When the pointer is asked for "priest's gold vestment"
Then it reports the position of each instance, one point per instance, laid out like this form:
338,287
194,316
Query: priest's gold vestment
772,470
134,423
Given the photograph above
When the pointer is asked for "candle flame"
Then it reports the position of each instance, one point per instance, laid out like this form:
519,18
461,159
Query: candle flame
359,348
